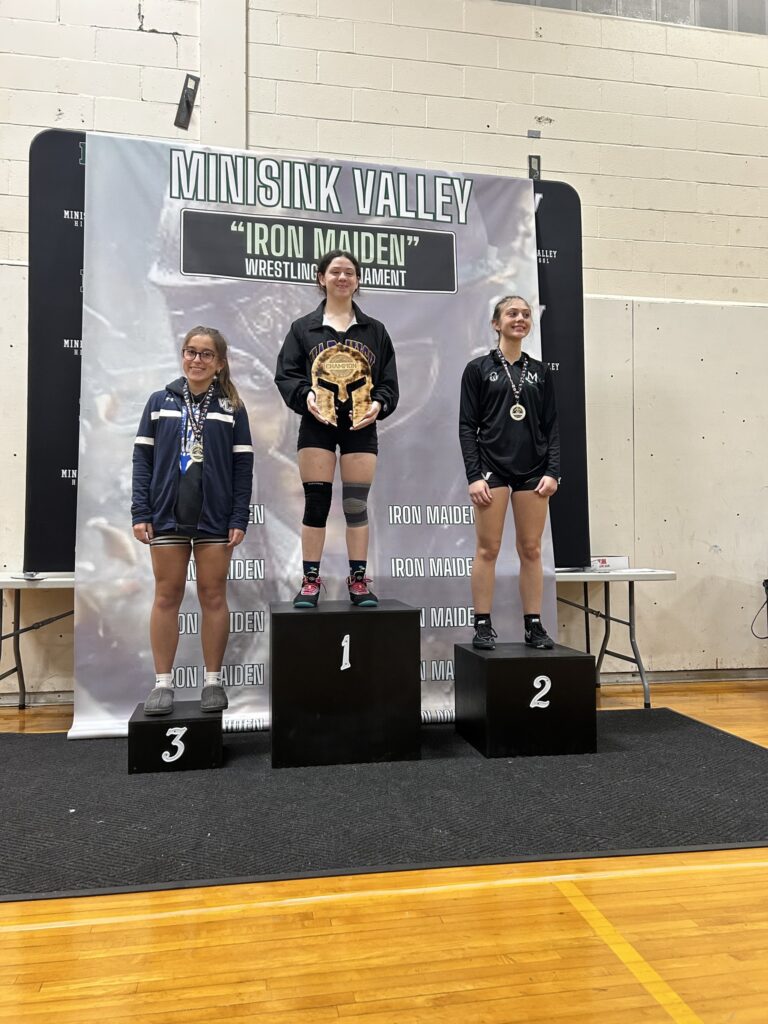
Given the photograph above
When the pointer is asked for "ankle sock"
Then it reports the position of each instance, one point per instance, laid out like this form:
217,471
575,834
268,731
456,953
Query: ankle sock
164,679
311,569
530,619
355,565
212,678
482,617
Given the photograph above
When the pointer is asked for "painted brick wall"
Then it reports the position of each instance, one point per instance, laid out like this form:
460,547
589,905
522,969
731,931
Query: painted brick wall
108,65
662,129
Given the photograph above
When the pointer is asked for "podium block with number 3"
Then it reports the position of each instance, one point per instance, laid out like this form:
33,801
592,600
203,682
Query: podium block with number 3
184,740
345,684
517,701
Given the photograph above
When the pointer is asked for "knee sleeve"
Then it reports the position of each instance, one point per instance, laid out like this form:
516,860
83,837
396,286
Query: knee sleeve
355,503
317,503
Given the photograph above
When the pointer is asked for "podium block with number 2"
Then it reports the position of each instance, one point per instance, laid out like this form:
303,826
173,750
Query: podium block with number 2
345,684
517,701
184,740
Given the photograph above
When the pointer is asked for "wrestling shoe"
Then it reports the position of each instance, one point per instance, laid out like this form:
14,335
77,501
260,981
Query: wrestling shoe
359,594
213,698
485,637
159,702
538,637
309,594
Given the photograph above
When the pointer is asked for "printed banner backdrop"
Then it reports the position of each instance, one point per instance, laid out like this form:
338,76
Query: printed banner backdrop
180,235
56,212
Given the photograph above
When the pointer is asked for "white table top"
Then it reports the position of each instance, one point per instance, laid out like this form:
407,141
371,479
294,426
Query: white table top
40,581
613,575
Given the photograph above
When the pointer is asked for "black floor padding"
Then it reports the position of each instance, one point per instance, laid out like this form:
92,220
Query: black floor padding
73,820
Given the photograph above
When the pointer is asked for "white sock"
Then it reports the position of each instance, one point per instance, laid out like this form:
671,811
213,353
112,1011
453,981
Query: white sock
212,678
164,679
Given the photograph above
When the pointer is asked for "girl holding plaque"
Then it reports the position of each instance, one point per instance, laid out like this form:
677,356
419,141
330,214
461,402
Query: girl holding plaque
192,478
510,443
337,370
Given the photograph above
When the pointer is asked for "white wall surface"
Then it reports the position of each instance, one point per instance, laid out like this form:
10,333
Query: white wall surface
662,130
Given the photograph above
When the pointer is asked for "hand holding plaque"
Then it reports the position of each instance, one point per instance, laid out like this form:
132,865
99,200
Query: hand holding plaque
341,373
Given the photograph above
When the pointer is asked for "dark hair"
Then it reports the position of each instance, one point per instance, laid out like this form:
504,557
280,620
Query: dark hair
504,301
327,260
226,386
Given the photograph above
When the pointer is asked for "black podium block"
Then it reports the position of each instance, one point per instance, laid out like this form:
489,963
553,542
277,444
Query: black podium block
517,701
182,741
346,684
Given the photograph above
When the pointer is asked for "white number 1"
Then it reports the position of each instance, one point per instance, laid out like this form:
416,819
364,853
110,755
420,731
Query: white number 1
345,648
175,734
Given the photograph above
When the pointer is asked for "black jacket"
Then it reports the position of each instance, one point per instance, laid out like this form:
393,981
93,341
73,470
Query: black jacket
308,337
491,441
227,467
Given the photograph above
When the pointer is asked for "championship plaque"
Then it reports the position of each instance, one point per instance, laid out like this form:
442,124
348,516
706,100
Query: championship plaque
341,372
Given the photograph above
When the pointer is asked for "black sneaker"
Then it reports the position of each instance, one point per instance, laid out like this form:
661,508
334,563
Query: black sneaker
538,637
485,637
309,593
359,594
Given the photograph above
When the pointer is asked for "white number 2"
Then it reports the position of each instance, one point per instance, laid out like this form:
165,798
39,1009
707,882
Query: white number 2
345,648
177,732
539,682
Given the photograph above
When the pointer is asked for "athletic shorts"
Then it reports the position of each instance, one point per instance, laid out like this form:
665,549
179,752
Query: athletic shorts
515,483
313,434
186,536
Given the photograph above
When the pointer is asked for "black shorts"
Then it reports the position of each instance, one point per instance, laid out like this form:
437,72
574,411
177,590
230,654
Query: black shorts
515,483
186,535
313,434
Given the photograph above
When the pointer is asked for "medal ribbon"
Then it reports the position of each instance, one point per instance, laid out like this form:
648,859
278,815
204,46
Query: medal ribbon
515,391
197,420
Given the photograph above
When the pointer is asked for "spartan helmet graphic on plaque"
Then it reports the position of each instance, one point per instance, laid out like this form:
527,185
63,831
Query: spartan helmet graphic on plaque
341,372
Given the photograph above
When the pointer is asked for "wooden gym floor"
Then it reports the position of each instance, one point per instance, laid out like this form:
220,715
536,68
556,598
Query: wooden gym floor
631,940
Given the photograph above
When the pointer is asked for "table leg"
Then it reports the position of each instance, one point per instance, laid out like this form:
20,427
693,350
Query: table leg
635,648
586,617
607,633
17,648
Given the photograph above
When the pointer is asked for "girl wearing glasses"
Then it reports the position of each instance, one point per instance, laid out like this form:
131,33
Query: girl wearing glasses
337,370
510,443
192,478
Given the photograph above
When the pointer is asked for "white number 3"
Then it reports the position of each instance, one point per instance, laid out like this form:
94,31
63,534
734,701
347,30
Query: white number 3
539,682
177,732
345,658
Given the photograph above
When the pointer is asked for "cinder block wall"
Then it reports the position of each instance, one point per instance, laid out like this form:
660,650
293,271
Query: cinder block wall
661,129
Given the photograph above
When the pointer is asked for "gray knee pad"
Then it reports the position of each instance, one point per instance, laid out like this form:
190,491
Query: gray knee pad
355,503
317,503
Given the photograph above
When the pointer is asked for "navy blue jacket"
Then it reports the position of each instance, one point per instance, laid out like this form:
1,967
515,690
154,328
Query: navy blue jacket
227,467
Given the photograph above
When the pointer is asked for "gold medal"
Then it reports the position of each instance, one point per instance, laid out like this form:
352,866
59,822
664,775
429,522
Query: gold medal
517,412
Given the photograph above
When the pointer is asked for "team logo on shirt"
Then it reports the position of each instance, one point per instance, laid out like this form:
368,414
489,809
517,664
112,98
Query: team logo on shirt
226,405
494,377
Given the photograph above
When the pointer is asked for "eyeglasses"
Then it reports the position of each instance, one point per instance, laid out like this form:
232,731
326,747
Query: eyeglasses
206,355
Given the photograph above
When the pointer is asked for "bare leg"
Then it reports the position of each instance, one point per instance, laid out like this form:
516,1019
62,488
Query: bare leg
212,562
169,565
489,526
530,512
315,464
358,468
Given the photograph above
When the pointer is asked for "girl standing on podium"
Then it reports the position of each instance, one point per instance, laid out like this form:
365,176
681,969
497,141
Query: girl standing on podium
510,442
192,479
337,370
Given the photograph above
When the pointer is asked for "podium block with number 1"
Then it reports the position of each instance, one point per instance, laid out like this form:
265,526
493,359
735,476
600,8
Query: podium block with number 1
345,684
